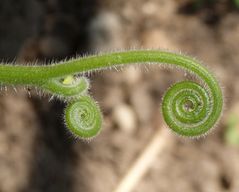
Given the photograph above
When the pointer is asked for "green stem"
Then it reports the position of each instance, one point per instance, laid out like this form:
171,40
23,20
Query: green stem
206,101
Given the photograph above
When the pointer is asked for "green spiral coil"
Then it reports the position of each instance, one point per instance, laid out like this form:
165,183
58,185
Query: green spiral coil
189,108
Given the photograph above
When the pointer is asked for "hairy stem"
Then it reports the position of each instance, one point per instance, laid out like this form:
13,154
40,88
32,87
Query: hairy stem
205,102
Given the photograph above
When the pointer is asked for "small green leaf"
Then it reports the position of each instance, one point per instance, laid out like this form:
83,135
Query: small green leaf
68,80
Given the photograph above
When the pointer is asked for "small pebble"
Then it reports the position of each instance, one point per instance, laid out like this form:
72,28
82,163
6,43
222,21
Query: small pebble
125,118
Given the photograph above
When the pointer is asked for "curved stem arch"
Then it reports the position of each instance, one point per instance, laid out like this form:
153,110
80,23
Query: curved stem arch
206,101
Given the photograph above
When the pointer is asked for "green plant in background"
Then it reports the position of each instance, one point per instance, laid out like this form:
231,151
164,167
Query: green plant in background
198,4
231,134
188,108
236,2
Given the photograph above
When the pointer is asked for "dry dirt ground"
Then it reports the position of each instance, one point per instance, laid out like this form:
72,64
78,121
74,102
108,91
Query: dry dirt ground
38,154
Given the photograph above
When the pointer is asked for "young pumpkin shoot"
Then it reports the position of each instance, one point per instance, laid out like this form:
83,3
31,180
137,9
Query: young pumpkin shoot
188,108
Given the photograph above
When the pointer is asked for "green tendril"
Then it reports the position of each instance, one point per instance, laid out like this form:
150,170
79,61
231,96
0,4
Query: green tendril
83,117
188,108
66,88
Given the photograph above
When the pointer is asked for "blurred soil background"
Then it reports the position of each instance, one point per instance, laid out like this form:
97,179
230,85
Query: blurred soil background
38,154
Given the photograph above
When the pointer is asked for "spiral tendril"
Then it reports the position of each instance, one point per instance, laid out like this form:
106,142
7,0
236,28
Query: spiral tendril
83,117
72,88
189,121
82,114
188,108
